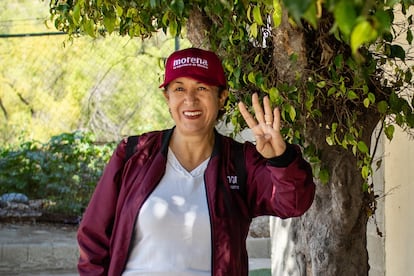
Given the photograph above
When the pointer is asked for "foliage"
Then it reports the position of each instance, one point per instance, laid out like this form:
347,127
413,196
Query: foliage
50,85
64,170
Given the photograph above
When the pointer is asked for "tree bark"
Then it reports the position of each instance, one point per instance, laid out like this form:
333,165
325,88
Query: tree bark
331,236
330,239
288,42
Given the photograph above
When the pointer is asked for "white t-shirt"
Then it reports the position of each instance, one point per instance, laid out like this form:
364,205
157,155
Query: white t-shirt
172,233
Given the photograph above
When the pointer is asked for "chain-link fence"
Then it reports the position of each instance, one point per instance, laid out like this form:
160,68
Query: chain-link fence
50,84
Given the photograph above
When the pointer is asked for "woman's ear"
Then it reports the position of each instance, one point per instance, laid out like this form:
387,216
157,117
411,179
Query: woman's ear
166,96
223,97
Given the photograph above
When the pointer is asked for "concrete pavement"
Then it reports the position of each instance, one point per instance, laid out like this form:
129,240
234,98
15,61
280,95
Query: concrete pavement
50,249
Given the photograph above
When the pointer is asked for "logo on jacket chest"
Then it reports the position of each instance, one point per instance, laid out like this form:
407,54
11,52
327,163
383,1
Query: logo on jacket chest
232,180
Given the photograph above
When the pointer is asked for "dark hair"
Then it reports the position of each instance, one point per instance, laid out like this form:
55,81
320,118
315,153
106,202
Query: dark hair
222,110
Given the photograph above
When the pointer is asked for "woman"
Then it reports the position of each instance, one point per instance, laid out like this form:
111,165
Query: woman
182,204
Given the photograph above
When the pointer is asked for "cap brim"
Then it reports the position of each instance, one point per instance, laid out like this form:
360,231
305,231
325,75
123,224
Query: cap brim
201,79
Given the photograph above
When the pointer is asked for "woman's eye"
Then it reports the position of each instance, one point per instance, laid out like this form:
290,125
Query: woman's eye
202,88
178,89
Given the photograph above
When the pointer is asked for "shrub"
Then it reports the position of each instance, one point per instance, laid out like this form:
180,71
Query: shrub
64,170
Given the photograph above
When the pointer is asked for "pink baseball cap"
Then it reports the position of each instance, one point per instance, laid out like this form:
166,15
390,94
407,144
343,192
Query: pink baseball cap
204,66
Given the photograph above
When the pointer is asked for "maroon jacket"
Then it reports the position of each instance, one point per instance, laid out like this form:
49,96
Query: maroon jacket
282,186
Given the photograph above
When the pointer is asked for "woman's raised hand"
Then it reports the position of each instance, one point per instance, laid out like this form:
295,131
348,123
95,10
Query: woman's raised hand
265,127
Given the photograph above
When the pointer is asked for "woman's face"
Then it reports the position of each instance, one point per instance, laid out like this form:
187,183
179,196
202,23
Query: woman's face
194,105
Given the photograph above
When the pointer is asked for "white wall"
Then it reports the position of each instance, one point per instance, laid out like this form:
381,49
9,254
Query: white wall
399,205
393,254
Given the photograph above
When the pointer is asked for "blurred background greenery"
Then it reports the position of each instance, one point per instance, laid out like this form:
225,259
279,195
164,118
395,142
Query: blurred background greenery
64,104
51,85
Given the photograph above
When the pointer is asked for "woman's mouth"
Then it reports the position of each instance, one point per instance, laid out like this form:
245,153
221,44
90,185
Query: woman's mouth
192,113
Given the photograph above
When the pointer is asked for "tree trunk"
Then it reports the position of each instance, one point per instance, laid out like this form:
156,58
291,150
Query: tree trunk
330,239
332,234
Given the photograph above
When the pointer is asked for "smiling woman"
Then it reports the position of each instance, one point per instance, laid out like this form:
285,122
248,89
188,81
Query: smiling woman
182,204
194,107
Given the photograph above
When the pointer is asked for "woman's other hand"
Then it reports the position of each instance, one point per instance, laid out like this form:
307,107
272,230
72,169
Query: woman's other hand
265,127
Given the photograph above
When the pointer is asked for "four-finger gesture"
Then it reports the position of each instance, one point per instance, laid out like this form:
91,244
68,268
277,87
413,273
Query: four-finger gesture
265,127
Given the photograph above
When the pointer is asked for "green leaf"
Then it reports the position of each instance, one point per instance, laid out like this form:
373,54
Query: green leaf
384,19
366,102
410,120
132,12
251,77
389,131
177,6
109,23
363,147
248,13
331,91
365,172
292,113
310,98
257,16
173,28
76,14
256,59
409,36
395,102
365,188
119,10
165,18
274,95
382,107
109,20
352,95
277,13
397,52
330,140
89,27
289,110
408,76
345,16
253,30
339,61
321,84
354,149
259,80
324,176
361,34
371,97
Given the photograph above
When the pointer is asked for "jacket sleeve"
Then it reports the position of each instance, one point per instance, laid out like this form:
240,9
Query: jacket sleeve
281,186
96,225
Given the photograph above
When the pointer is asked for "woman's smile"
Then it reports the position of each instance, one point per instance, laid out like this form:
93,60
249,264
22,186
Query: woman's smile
192,114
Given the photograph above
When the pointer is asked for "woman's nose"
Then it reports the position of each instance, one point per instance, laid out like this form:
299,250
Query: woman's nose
191,96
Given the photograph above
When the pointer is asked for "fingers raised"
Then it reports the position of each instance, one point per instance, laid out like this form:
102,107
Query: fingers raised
276,119
258,110
251,122
268,111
